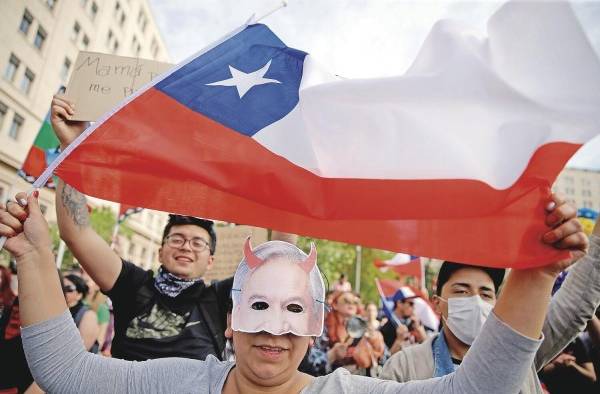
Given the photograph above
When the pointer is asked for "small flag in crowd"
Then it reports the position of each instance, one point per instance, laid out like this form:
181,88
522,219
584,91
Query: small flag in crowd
402,264
44,150
452,160
127,210
391,290
587,217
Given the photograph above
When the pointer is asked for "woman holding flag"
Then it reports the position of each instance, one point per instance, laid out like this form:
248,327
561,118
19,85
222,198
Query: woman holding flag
272,325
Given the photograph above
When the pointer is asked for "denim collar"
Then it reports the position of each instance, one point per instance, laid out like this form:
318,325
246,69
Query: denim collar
442,361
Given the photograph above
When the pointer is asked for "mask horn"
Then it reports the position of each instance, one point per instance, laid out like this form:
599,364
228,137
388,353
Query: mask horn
252,260
308,264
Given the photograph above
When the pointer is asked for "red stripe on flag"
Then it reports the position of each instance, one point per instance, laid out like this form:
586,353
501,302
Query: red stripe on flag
188,164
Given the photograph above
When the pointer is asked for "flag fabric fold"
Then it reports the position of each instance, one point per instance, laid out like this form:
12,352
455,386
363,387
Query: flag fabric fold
452,160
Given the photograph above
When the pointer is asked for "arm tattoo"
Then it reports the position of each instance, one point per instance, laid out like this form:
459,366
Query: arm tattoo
76,206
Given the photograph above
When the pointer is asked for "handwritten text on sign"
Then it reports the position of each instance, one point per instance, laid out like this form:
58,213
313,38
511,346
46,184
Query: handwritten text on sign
100,81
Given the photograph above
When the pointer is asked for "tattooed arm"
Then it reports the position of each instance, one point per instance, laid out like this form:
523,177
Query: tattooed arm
92,252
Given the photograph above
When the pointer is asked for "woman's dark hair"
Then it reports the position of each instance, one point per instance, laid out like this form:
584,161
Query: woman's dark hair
79,283
179,220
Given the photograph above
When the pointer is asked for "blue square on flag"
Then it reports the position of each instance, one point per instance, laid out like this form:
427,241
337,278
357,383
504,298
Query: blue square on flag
245,83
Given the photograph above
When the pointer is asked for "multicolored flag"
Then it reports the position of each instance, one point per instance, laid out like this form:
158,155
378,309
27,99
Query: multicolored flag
452,160
404,265
388,289
587,217
44,150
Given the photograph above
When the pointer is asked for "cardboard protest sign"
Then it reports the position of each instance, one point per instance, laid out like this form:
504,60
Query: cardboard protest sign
100,81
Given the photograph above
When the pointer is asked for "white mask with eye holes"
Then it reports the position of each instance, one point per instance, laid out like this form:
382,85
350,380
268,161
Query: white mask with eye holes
466,316
279,290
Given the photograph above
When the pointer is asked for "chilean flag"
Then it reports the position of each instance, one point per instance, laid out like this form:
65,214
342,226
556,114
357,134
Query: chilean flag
402,264
453,160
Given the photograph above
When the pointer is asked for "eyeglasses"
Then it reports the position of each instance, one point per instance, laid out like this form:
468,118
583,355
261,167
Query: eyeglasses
349,301
177,241
69,288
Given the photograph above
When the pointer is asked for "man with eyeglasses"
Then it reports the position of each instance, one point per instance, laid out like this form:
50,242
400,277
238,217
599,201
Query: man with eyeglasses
168,314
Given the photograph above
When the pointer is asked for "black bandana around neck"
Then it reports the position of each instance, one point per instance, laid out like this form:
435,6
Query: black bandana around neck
168,284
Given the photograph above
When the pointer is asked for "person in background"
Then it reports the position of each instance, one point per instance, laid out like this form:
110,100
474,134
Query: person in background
572,371
405,328
15,376
336,348
372,316
98,302
466,294
342,284
7,295
76,290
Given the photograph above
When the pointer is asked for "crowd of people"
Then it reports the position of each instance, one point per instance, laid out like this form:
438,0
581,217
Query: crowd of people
112,326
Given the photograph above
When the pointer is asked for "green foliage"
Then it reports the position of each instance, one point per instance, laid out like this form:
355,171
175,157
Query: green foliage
103,220
336,258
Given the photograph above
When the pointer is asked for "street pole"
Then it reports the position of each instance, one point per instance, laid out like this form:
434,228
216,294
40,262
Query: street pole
357,268
60,253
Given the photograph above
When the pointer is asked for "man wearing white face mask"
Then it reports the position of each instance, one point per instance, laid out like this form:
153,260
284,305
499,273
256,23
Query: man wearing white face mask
464,298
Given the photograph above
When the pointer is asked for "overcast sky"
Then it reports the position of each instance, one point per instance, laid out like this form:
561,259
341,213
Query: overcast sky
352,38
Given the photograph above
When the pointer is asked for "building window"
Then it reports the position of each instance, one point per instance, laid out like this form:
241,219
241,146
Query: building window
66,67
117,9
3,111
131,249
15,127
27,81
115,46
26,22
75,32
122,20
142,20
51,3
11,68
93,10
40,37
85,42
135,46
154,48
109,38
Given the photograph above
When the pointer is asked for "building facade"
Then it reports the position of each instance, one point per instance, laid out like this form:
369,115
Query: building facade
581,187
39,43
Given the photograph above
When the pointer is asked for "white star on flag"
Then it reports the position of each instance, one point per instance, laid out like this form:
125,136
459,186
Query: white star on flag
246,81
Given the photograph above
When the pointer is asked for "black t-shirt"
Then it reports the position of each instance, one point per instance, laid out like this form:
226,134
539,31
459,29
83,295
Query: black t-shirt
565,379
150,325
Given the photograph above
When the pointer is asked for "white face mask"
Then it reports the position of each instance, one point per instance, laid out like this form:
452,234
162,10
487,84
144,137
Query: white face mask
466,316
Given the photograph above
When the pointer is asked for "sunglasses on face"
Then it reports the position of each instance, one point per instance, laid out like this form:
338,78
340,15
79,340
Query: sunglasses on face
349,301
69,288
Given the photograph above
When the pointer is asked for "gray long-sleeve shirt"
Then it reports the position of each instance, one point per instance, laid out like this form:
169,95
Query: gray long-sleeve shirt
497,363
570,309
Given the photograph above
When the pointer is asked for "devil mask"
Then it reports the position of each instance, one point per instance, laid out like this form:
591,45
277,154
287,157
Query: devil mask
277,288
